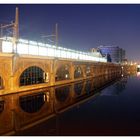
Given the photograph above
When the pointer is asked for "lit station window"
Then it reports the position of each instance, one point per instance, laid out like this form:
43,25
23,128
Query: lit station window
33,75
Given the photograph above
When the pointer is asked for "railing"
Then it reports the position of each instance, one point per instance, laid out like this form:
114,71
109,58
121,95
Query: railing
41,49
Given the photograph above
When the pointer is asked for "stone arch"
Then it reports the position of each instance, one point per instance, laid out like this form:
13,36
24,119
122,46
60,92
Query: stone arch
33,75
88,70
1,83
78,73
62,73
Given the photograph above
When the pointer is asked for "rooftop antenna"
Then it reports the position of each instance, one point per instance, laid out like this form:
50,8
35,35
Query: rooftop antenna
56,35
15,27
16,31
1,32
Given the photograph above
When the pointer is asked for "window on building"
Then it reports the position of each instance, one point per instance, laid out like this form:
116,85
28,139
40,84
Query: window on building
62,73
33,75
1,83
78,72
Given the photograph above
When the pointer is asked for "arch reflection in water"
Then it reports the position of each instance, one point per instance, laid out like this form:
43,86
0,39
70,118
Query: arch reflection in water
62,93
88,86
32,103
78,88
1,105
120,85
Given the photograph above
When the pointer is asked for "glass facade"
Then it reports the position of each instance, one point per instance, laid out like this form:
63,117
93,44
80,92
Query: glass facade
33,75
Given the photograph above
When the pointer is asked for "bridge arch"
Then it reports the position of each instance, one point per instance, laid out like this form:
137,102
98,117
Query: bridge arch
88,71
78,73
1,83
33,75
62,73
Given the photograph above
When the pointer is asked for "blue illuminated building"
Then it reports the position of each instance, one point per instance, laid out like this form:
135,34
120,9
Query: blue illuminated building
113,53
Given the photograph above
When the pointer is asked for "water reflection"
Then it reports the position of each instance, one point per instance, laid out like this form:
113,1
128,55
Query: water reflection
31,109
138,74
78,88
120,85
117,88
62,93
88,86
1,104
32,103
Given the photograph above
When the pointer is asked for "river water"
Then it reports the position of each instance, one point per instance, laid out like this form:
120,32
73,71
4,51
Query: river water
111,110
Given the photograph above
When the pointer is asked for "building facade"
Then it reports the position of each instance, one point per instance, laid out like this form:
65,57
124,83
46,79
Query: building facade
116,53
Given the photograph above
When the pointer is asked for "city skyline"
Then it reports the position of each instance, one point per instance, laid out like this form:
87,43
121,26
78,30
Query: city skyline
80,26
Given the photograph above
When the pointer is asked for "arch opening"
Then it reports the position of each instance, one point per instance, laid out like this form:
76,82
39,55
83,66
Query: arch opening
62,73
33,75
1,83
78,72
88,71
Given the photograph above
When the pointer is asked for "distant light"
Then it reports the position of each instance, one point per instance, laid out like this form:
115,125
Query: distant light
138,74
138,66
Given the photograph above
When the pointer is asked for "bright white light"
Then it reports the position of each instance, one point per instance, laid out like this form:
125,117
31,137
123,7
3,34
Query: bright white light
51,52
6,46
23,41
43,51
138,66
34,48
33,43
22,49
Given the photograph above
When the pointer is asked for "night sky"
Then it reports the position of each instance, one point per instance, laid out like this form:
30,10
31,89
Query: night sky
80,27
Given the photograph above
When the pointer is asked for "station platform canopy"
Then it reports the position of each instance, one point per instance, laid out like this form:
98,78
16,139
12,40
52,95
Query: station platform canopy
37,48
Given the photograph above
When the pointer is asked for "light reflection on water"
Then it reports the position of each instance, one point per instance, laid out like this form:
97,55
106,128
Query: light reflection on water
138,74
76,109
